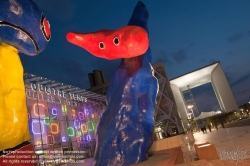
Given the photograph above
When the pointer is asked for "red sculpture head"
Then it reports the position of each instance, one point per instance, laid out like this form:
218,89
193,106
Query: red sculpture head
126,42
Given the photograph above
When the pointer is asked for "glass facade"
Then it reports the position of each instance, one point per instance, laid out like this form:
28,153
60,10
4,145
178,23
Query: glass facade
62,124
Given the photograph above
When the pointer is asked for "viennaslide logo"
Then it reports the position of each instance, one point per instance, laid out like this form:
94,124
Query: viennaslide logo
234,155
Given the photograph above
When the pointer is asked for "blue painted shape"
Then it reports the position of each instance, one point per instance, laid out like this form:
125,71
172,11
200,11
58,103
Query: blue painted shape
125,131
22,26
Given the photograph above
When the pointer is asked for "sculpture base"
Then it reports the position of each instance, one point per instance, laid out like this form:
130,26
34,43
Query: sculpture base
165,157
172,142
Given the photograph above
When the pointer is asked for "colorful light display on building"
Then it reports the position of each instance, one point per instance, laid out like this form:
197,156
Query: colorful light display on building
55,124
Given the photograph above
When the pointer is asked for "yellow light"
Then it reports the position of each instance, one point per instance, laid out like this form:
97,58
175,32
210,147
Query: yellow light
93,116
34,109
84,128
73,113
204,145
39,152
38,143
51,128
64,108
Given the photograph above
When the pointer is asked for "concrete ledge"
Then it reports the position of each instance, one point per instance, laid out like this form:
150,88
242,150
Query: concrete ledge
207,151
195,145
172,142
167,143
167,157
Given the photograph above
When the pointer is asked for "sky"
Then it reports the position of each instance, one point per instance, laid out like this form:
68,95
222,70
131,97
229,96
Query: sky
184,35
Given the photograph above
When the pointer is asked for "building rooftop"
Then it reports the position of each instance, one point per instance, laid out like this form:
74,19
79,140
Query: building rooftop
33,79
194,78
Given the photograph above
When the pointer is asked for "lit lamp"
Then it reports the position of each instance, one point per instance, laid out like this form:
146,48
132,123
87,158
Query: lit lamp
188,113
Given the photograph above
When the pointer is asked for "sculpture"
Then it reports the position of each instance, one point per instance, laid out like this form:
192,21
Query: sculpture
23,29
125,130
126,42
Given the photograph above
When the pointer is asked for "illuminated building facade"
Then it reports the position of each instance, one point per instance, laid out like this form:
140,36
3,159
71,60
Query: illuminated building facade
62,118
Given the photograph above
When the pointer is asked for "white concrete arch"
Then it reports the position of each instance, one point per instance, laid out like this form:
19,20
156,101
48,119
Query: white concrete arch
212,73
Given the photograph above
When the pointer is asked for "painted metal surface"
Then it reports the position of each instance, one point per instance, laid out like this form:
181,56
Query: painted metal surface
23,26
23,29
125,130
128,120
125,42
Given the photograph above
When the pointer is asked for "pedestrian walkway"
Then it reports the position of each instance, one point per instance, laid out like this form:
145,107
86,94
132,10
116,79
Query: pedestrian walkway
227,139
235,139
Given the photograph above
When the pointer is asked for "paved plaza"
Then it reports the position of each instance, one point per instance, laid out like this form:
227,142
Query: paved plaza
228,139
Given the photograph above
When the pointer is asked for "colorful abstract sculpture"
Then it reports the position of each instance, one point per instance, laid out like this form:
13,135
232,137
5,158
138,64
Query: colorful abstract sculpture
23,29
126,42
125,130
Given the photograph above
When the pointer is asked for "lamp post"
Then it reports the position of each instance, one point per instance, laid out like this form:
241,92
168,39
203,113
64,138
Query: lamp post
192,112
190,115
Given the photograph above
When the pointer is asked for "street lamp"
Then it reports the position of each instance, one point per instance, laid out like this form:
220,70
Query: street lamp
190,114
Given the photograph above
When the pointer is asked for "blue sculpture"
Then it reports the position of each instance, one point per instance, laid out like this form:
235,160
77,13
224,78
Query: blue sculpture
125,130
24,26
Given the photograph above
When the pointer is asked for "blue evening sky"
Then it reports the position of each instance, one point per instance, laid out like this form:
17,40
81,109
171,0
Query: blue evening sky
184,34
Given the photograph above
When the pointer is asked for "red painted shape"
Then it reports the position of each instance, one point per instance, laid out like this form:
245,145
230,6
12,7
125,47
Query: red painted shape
126,42
46,27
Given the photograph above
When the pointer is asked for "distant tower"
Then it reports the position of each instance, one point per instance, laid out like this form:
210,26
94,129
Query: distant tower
96,78
97,82
166,112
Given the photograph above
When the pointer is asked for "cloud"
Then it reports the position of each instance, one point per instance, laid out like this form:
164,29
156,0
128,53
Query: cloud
235,38
164,58
203,60
205,98
248,33
107,66
229,53
61,10
229,77
206,102
240,80
68,71
213,61
180,56
241,89
72,73
208,61
192,45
